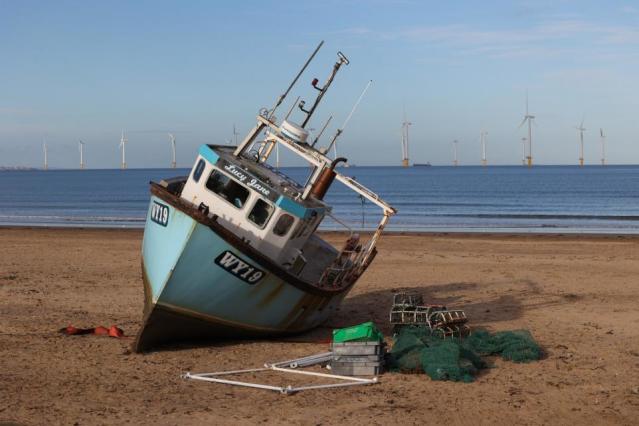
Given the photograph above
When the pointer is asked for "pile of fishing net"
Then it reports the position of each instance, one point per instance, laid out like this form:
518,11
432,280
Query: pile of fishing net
416,350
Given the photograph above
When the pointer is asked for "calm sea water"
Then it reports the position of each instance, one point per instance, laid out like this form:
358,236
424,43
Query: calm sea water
496,199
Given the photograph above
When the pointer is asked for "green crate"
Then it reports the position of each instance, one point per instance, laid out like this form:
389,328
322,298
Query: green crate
365,332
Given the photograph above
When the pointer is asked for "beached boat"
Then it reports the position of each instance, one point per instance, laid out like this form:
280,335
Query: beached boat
232,250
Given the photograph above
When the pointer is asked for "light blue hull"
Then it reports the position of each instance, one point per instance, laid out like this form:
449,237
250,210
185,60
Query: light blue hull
194,290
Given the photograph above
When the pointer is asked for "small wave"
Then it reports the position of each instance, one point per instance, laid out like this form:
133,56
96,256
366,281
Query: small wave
540,216
83,219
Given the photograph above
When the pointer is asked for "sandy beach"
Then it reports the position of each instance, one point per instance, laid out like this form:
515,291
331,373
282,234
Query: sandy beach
578,295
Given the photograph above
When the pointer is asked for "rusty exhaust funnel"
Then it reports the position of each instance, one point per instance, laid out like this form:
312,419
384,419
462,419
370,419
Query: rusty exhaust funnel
325,179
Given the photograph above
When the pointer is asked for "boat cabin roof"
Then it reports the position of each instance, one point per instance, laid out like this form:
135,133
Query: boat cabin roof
265,180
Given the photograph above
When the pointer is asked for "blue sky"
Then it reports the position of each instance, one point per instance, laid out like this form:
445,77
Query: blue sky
88,69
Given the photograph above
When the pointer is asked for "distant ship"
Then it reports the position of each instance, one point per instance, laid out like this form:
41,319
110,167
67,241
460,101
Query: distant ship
421,164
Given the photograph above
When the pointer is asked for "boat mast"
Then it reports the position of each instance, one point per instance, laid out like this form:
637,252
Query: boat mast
269,114
267,147
341,60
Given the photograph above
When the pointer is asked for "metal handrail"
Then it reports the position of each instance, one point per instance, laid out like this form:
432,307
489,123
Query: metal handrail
350,230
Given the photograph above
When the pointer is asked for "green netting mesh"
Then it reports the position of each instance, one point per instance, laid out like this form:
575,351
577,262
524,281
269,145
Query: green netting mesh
406,355
517,345
416,350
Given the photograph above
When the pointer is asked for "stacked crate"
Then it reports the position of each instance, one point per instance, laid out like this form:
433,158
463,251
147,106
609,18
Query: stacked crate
357,351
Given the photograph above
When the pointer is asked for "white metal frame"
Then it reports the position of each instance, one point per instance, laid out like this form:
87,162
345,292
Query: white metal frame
286,390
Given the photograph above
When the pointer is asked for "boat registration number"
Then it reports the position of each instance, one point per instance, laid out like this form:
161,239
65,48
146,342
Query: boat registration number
160,213
236,266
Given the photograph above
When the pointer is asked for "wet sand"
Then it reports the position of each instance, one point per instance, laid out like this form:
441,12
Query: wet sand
578,295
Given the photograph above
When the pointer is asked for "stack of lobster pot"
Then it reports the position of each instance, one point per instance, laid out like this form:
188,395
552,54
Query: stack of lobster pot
357,351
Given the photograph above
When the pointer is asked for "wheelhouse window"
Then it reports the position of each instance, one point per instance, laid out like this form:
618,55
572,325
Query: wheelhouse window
199,169
227,188
260,213
283,224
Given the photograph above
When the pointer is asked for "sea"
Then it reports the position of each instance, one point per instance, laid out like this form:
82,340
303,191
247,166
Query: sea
512,199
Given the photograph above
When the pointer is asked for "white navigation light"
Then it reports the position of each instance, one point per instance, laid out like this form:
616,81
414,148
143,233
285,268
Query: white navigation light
294,132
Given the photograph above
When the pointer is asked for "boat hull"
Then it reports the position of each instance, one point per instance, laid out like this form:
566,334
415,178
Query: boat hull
202,282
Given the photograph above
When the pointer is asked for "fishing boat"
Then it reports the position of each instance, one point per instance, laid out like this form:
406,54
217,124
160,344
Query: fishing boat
232,249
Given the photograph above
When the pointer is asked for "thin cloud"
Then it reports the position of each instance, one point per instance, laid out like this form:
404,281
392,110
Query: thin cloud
16,111
629,10
546,38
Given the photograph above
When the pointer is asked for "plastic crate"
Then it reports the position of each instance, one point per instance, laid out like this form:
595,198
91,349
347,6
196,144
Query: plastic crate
358,333
357,348
357,358
356,369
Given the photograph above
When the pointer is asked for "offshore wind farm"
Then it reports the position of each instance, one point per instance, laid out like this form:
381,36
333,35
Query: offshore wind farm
527,124
495,210
474,169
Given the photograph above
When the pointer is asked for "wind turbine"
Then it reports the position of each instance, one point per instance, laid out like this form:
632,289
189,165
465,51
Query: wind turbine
44,149
405,125
81,146
455,162
123,141
482,137
235,133
523,151
581,140
528,118
172,138
603,147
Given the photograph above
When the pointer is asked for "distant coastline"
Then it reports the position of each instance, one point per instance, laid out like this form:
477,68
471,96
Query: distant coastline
14,168
418,165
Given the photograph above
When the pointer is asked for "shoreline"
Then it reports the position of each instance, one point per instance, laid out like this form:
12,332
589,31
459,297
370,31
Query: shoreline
460,234
419,166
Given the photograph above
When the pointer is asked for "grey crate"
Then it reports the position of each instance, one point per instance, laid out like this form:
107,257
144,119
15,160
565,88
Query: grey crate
357,348
356,369
356,359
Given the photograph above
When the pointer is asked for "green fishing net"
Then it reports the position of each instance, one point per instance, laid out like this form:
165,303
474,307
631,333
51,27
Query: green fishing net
416,350
516,346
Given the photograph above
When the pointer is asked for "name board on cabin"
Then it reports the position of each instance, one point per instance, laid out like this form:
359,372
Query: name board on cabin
249,180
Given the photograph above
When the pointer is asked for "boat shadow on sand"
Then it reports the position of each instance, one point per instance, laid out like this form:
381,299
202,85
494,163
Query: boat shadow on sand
488,311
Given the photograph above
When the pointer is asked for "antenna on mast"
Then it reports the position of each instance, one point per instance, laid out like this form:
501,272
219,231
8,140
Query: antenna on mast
341,60
172,139
291,108
340,130
81,147
321,131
